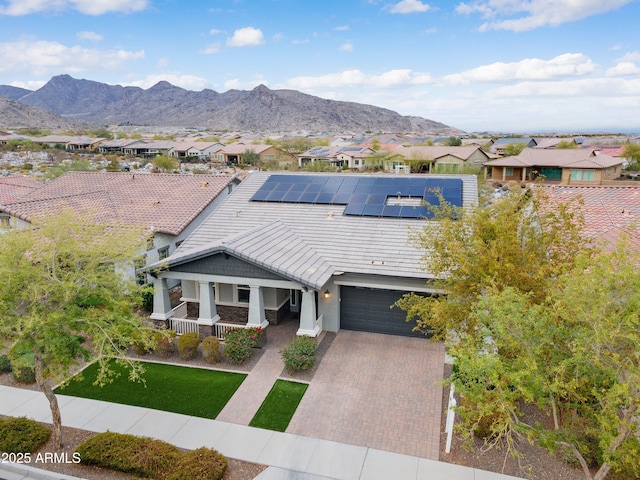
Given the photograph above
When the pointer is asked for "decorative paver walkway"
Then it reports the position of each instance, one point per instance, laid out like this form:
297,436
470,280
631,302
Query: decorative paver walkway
249,396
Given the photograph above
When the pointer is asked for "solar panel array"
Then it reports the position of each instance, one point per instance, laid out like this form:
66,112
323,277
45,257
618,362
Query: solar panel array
362,195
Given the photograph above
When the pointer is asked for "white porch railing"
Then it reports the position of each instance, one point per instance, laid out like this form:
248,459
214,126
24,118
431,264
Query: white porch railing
178,320
319,323
182,325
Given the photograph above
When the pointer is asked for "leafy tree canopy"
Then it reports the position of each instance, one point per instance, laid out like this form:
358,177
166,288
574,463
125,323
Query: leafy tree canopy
535,315
513,149
65,299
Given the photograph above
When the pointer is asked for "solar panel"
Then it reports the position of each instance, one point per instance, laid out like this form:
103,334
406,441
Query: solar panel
364,196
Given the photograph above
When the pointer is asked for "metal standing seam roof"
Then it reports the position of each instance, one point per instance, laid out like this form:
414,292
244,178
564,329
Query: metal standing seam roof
166,202
277,234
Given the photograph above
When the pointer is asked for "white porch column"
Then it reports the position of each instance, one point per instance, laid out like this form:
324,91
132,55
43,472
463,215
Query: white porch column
207,315
256,308
504,173
308,315
161,301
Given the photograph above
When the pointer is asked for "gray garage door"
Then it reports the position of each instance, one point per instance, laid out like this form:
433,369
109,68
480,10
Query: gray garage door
367,310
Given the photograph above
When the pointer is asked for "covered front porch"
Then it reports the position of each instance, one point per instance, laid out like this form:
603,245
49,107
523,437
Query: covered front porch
212,307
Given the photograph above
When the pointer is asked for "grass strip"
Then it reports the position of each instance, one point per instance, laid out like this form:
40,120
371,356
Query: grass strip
278,408
191,391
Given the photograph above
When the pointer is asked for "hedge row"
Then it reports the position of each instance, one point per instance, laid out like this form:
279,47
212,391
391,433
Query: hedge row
151,458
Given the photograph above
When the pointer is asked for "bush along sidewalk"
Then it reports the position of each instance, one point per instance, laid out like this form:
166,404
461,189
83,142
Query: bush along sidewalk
151,458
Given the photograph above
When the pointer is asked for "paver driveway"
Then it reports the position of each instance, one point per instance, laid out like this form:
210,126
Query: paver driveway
379,391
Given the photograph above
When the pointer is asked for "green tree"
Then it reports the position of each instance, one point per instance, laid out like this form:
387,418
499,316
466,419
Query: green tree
567,145
513,149
375,144
454,141
79,164
533,314
249,157
165,163
632,153
64,299
293,146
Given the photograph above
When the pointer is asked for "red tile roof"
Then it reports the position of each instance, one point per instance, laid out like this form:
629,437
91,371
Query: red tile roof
14,187
608,210
167,203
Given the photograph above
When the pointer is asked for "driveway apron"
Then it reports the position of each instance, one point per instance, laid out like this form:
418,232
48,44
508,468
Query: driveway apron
379,391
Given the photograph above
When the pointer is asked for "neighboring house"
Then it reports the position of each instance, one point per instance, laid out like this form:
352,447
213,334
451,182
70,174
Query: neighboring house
232,154
336,156
333,249
84,144
169,205
498,146
117,145
143,148
609,211
571,166
444,159
202,151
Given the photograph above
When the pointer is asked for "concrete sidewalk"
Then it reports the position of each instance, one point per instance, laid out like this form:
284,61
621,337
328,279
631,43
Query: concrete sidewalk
290,457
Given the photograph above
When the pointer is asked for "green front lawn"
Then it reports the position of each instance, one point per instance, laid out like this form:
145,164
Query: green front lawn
277,409
191,391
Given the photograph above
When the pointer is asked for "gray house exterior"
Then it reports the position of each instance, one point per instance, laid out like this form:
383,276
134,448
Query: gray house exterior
271,250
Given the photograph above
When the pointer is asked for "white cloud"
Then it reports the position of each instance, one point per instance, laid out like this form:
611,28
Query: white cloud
341,28
52,58
346,47
215,31
29,84
519,15
91,36
623,69
246,37
88,7
188,82
566,65
278,37
355,78
410,6
210,49
630,57
300,41
585,87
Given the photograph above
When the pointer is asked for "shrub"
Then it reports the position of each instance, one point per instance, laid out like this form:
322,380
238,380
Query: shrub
255,335
237,346
25,374
142,456
5,364
299,354
163,340
200,464
211,349
188,345
22,435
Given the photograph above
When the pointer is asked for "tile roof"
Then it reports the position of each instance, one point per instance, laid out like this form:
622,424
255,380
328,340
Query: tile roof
292,238
438,151
569,158
608,210
14,187
166,202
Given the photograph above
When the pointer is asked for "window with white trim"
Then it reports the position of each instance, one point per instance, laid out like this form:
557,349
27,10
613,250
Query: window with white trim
243,292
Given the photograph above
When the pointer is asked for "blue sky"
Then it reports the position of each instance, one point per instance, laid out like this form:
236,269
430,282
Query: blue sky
479,65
